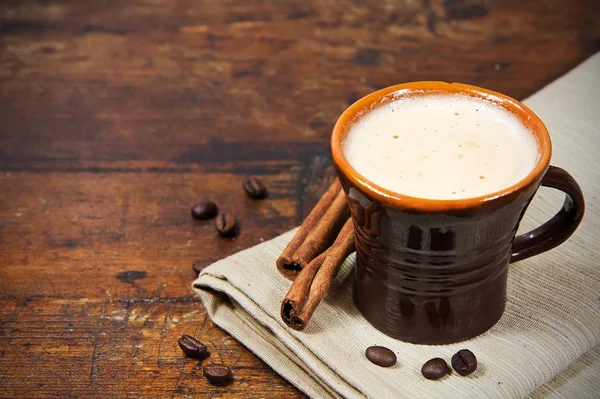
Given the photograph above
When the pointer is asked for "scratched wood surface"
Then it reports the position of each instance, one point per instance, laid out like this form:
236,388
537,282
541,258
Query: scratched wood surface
117,116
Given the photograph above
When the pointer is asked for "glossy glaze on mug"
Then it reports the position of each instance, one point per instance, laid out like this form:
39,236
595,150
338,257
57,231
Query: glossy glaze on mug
419,276
435,271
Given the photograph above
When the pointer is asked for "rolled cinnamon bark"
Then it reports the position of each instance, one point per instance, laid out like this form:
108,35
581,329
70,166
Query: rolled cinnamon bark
317,231
313,282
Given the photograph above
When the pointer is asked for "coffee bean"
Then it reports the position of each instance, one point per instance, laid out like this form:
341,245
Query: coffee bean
204,210
254,188
434,369
192,347
216,374
225,224
198,266
464,362
381,356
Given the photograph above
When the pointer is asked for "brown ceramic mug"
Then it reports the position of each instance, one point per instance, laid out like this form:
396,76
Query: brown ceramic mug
435,271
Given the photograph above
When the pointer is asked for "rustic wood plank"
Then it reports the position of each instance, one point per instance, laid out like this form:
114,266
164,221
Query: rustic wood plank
122,82
61,227
94,348
116,116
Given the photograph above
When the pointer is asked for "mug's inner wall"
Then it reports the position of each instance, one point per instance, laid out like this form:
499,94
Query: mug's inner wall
437,145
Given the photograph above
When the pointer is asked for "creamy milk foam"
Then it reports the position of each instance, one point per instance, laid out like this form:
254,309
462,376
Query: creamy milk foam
443,146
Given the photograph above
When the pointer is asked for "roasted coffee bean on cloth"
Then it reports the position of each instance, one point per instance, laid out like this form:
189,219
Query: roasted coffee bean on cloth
381,356
434,369
464,362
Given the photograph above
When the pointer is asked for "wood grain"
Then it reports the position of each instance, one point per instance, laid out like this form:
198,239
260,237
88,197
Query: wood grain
117,116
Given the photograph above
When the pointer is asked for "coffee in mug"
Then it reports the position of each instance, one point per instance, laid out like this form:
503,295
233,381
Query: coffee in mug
441,146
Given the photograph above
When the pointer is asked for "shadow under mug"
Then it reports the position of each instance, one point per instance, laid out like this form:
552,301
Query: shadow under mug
435,271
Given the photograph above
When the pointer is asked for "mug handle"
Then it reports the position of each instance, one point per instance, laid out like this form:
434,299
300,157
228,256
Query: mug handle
555,231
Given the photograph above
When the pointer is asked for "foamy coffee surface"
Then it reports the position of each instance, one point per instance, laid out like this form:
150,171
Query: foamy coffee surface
441,147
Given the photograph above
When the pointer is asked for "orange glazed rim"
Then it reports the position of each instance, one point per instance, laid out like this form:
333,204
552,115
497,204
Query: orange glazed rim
401,201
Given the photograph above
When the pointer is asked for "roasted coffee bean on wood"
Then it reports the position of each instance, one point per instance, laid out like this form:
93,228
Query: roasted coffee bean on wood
225,224
434,369
255,188
204,210
198,266
464,362
217,374
381,356
192,347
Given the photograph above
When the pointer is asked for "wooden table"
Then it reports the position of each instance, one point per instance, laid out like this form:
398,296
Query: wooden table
117,116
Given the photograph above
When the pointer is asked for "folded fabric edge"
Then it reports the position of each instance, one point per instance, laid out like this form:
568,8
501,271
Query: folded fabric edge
581,379
271,339
258,345
298,357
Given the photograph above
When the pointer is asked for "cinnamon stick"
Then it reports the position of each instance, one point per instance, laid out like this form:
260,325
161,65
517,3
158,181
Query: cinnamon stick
316,232
313,282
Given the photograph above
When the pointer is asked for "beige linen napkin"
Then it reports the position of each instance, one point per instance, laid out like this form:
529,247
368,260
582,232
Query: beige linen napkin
552,317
